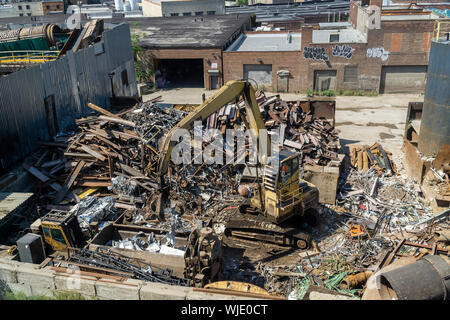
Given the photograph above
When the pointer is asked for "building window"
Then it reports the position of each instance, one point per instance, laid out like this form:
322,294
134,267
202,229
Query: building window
21,14
186,14
124,77
20,7
199,13
211,12
351,74
58,6
334,37
48,7
29,14
28,7
174,14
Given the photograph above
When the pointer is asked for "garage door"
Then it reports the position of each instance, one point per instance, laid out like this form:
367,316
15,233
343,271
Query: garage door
403,79
261,73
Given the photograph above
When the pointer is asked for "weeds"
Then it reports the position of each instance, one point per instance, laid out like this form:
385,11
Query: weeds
58,295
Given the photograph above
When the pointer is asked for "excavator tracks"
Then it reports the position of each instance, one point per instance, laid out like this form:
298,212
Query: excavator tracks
258,230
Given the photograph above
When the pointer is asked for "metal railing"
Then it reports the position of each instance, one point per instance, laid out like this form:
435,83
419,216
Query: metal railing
441,30
27,56
290,197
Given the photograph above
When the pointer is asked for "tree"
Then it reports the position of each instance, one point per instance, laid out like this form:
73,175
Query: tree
142,63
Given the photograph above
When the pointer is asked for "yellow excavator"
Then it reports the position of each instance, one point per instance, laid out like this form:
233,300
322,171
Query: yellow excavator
281,195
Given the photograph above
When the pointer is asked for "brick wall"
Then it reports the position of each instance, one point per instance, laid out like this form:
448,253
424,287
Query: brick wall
48,7
209,57
353,13
234,66
407,43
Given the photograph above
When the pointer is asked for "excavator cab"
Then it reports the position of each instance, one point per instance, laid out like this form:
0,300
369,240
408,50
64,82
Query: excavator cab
285,194
61,230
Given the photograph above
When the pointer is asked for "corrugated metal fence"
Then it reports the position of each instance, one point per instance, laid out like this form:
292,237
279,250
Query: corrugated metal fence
68,84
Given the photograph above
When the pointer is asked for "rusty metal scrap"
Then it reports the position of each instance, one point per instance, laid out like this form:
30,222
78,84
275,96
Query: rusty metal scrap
364,158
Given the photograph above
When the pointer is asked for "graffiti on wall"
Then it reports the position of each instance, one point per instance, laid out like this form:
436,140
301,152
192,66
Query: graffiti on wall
343,51
377,53
315,53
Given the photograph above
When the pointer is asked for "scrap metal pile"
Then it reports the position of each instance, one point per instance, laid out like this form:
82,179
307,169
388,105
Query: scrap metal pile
364,157
117,155
299,128
379,218
115,263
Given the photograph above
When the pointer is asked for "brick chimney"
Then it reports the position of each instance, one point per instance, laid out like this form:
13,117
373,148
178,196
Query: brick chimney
306,36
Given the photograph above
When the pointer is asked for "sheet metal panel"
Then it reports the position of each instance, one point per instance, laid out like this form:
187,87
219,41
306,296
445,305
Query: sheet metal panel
434,127
74,80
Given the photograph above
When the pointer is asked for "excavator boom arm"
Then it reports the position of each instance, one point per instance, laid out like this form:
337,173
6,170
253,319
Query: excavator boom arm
231,91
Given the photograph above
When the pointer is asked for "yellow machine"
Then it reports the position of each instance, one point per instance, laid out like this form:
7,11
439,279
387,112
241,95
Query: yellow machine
61,230
282,194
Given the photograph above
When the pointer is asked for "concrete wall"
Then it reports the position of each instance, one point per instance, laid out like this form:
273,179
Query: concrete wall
151,9
27,279
166,8
180,7
74,80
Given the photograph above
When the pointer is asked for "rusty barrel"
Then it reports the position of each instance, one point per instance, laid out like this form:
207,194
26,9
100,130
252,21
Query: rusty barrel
425,279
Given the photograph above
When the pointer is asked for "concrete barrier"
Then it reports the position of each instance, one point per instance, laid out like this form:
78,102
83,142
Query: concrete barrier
28,279
8,273
84,285
158,291
128,290
42,281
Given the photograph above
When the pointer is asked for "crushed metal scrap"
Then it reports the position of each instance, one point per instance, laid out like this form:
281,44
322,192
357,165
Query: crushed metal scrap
106,174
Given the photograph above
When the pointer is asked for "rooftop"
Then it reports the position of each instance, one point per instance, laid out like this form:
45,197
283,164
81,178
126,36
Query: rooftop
267,42
348,35
213,31
430,16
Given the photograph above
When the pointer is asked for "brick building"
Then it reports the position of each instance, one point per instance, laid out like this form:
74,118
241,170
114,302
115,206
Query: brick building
52,6
31,8
187,51
385,51
390,57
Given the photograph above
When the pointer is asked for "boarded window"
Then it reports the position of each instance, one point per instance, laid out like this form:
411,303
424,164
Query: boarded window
124,78
351,74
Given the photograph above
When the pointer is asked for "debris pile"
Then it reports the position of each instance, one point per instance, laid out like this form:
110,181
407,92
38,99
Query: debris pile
165,246
110,166
364,158
91,209
298,127
388,202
